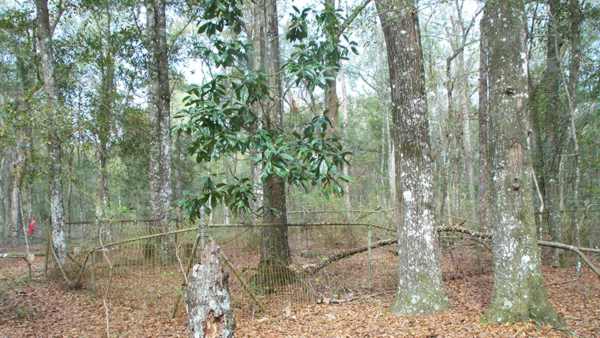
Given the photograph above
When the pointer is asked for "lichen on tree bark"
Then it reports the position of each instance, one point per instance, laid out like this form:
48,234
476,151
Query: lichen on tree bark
207,297
420,288
519,293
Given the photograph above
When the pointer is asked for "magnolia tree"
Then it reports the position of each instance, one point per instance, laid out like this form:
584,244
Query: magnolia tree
238,110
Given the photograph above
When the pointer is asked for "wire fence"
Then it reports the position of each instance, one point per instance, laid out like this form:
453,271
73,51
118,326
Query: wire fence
144,262
129,259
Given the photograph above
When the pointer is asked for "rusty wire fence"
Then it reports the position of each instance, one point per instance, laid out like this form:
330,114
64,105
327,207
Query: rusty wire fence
143,262
128,261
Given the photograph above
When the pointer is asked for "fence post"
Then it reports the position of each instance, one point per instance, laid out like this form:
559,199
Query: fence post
369,260
48,248
93,272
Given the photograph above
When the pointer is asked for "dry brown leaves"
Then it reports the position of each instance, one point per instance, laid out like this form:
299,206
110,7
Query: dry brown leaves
45,308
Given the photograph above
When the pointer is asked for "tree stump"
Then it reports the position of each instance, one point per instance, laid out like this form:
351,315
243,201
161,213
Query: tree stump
207,297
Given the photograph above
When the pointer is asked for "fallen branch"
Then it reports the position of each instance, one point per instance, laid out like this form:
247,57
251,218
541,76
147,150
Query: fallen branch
242,282
20,255
312,269
574,249
481,237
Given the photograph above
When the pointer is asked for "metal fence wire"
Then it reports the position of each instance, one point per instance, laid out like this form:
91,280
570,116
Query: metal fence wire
143,263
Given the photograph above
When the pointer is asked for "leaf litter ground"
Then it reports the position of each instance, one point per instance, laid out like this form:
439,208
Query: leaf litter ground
141,307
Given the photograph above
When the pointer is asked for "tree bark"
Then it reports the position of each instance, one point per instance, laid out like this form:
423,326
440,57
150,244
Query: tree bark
484,127
160,113
331,97
104,118
519,293
207,297
576,17
18,173
549,125
54,115
274,244
420,287
345,124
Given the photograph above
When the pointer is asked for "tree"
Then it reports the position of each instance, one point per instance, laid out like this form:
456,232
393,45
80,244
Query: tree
550,127
484,130
420,288
274,245
105,113
519,292
54,120
17,39
159,97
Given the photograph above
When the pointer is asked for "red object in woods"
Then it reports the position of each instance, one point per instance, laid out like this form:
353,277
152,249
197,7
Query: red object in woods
32,227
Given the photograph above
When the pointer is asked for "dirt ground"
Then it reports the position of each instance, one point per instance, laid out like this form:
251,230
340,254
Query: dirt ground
140,307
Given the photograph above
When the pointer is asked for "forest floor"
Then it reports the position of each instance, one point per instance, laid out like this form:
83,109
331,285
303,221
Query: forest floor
44,307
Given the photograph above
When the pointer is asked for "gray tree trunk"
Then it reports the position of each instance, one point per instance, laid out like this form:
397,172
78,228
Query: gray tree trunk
104,118
274,243
54,124
420,288
575,19
484,127
519,293
160,113
549,124
343,106
207,297
16,214
22,154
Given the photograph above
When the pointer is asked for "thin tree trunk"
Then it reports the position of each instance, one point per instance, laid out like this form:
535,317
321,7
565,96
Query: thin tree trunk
331,97
549,123
467,148
519,293
104,118
54,114
420,287
160,112
345,124
576,17
484,127
4,201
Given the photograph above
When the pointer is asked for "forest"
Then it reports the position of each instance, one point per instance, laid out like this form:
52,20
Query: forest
300,168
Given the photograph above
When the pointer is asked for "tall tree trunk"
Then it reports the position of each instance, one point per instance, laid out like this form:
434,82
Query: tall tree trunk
454,124
104,118
22,146
575,17
467,149
331,97
160,113
54,124
274,244
16,214
4,193
345,123
550,124
519,293
484,127
420,288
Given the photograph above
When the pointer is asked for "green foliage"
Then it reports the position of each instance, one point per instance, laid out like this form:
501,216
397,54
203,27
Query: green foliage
315,57
221,117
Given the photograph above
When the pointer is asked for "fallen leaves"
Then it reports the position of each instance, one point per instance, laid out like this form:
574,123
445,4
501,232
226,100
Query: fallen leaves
141,307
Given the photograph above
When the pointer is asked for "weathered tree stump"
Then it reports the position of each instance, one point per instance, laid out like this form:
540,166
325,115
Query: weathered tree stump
207,297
